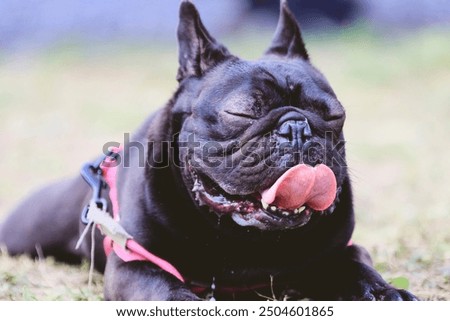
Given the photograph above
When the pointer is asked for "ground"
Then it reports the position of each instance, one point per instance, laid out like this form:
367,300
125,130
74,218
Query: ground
60,105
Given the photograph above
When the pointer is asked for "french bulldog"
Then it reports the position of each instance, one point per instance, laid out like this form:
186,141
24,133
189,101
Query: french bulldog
239,183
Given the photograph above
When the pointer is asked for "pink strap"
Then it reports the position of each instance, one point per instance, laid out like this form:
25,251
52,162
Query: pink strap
109,169
134,251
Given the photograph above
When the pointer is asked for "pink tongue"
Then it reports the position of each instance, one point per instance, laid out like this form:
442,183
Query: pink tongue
303,185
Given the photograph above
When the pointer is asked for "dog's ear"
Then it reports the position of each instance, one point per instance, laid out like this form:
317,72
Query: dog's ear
287,41
198,51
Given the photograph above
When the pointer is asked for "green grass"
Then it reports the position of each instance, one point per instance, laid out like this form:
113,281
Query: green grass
57,109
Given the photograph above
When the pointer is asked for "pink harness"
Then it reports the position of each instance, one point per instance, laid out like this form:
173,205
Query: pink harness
134,251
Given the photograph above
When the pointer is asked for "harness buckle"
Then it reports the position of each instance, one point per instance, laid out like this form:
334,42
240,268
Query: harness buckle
93,175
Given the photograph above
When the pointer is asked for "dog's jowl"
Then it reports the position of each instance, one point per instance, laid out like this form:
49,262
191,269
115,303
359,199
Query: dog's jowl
240,189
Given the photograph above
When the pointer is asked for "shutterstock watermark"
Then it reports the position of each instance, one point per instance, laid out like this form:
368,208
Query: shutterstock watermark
267,151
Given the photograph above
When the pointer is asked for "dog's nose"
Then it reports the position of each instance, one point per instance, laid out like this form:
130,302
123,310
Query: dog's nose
297,132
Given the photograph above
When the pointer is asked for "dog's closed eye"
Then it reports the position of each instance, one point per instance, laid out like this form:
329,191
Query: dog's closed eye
243,106
241,114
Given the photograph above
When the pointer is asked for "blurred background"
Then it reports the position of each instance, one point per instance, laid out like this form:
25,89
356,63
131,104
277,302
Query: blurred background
75,74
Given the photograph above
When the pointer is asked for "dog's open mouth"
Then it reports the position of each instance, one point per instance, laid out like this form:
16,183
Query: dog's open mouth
290,202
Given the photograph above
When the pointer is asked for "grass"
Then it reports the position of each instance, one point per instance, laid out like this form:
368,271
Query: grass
24,279
58,107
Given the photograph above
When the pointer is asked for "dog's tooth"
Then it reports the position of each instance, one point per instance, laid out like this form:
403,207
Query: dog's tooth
264,205
301,209
285,213
273,208
296,211
196,186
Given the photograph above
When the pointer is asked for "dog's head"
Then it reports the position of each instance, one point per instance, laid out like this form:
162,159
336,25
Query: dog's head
259,141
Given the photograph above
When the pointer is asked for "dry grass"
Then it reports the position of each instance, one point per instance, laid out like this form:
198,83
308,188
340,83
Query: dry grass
59,107
25,279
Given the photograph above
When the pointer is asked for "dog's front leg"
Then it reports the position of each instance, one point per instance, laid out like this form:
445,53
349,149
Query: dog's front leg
349,275
139,281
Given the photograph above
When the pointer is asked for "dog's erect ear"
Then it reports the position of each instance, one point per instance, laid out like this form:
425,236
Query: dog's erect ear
198,51
287,41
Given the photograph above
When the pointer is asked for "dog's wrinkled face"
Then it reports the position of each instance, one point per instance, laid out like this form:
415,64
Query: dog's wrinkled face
259,141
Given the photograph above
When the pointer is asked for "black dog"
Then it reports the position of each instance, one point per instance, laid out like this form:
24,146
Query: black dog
241,184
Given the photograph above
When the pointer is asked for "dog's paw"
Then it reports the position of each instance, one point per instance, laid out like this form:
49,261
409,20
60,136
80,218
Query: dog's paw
382,292
361,282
